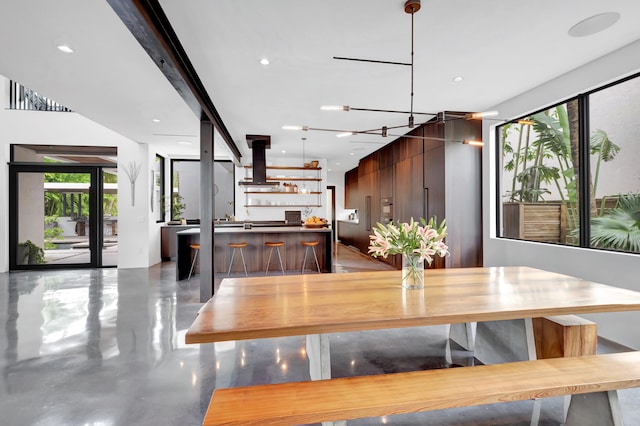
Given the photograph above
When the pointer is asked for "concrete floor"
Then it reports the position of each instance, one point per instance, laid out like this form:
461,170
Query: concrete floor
106,347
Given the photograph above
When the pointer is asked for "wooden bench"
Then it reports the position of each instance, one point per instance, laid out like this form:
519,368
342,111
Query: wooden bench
399,393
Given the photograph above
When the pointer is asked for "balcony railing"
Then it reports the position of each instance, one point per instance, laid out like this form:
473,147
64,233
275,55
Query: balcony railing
23,98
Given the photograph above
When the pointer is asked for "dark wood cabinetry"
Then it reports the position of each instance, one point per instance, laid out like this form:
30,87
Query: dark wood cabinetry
424,177
351,189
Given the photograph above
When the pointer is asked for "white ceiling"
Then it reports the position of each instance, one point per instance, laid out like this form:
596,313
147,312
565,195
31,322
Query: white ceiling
501,48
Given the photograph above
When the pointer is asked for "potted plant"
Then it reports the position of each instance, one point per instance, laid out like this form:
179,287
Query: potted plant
175,205
415,241
30,253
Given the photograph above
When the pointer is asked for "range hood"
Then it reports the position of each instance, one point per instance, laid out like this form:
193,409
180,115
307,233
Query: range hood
258,145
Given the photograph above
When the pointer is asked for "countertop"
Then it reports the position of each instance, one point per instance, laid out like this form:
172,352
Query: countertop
256,230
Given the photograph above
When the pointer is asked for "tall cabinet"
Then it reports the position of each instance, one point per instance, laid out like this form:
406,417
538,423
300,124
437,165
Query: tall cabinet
424,177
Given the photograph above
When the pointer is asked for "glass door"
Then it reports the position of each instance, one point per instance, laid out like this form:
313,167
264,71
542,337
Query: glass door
55,217
109,194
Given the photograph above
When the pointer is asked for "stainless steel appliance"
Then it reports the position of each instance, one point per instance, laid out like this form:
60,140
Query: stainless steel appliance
386,210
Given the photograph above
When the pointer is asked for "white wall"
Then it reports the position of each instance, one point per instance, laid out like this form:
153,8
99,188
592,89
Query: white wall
30,196
277,212
337,179
138,234
4,179
616,269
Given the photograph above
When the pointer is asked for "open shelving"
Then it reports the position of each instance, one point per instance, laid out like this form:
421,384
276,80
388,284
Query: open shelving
313,195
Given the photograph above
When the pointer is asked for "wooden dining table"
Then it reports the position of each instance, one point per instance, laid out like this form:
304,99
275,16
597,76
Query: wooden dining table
504,300
262,307
317,304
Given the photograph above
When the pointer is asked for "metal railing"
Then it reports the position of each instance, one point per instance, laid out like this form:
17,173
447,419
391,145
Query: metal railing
23,98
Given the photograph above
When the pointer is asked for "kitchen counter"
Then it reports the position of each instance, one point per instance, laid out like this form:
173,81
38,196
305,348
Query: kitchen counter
256,254
356,221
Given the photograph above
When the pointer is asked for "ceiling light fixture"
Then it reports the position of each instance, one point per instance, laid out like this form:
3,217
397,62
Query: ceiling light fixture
457,79
480,115
290,127
264,61
345,134
410,7
65,48
155,120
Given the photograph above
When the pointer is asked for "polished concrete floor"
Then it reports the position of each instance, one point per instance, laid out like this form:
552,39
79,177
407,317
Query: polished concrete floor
106,347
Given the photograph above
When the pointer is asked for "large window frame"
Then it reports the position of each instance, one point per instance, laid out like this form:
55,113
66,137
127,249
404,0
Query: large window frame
158,189
584,166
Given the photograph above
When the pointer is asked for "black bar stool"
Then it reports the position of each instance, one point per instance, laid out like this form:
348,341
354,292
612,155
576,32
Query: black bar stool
309,245
195,247
239,246
274,245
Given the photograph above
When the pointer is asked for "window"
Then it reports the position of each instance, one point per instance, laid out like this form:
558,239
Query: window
615,198
574,163
157,189
539,177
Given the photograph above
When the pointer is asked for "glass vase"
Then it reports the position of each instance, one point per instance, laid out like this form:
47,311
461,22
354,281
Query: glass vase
412,271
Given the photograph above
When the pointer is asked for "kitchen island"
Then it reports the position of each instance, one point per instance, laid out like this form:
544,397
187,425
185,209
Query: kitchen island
256,254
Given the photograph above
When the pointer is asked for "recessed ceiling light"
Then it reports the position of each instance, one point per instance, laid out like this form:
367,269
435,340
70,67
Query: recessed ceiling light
351,153
283,151
64,48
264,61
155,120
594,24
337,164
184,143
457,79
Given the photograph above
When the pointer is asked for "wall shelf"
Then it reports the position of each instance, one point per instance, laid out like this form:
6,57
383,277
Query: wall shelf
282,179
287,168
284,192
283,205
299,174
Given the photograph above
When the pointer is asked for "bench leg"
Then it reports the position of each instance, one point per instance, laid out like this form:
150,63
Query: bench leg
594,409
319,355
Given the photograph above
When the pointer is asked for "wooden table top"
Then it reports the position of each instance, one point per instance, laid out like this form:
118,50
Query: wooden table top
261,307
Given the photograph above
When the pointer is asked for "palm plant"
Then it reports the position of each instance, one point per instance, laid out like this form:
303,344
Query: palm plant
619,228
554,140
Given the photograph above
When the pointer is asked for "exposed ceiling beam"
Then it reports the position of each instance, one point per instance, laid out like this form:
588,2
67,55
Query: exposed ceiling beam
149,25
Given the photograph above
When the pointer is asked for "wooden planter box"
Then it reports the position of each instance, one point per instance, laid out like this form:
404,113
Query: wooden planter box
545,222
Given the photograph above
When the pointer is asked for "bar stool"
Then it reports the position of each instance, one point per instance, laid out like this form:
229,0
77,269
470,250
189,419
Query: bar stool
239,246
195,247
309,245
274,245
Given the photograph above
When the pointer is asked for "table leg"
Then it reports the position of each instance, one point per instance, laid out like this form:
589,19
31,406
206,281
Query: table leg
497,342
319,355
463,334
600,408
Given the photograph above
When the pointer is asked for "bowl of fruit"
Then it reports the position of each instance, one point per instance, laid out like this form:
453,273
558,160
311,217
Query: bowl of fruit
315,222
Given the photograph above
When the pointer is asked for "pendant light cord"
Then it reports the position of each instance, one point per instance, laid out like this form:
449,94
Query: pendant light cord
411,110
